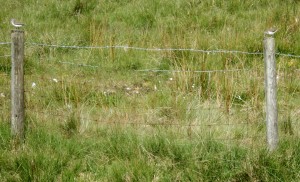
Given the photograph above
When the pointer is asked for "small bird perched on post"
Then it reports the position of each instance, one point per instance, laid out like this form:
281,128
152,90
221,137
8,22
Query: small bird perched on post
271,31
16,24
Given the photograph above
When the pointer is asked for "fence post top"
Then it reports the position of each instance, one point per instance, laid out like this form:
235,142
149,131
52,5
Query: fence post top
17,31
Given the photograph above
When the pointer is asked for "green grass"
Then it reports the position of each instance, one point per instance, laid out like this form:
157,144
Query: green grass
120,154
112,122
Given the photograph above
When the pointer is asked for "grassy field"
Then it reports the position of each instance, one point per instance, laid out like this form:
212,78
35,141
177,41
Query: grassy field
95,114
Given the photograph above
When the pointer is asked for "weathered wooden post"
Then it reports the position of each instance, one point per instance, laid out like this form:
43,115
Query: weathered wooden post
17,85
271,90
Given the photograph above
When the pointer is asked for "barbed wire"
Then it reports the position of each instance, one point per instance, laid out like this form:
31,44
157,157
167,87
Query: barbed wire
78,64
5,43
196,140
192,133
125,48
129,89
157,70
167,71
193,71
148,49
288,55
192,127
154,123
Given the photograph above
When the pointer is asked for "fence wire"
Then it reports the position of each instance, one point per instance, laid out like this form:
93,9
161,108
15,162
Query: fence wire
78,64
194,71
151,123
148,49
191,131
5,43
288,55
126,48
158,70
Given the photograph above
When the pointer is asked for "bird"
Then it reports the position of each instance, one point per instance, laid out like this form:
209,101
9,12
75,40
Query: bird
16,24
271,31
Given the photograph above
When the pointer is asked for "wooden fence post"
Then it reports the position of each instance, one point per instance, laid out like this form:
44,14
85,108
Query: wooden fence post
17,85
271,92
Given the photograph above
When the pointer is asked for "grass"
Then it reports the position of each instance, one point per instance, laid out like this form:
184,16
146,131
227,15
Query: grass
112,122
120,154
